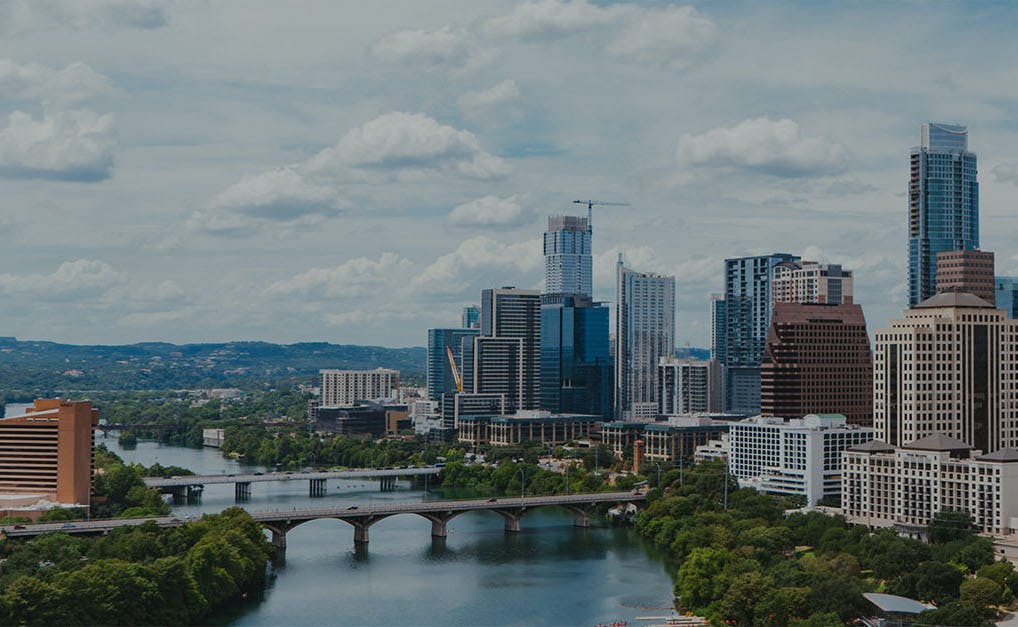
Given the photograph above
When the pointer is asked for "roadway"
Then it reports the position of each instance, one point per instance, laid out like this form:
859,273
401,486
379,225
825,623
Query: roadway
356,473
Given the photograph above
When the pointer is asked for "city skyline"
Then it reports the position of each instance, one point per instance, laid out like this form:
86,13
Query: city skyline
160,187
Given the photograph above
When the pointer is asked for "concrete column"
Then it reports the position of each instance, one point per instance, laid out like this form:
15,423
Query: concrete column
512,523
279,540
360,532
438,529
581,519
316,487
242,491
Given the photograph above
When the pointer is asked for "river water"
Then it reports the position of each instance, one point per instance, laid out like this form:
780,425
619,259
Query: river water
548,574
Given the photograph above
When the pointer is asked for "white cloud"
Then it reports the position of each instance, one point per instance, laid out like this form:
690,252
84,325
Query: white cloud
450,47
84,14
481,262
774,147
68,146
551,19
408,145
1005,173
70,279
354,278
505,92
492,211
33,81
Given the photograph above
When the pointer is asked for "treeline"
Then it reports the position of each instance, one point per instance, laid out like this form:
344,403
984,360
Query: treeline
134,576
750,564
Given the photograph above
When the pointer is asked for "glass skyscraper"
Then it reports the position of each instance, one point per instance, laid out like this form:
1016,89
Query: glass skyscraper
943,204
567,260
576,375
1005,289
441,385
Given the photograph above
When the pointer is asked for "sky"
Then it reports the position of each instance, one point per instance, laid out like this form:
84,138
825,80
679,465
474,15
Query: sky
356,172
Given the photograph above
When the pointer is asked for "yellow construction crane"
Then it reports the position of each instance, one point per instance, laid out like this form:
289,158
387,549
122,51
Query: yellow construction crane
455,371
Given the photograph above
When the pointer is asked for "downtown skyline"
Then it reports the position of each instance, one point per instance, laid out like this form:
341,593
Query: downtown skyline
212,174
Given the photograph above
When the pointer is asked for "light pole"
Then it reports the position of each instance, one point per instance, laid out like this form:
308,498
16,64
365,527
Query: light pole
523,481
658,464
567,478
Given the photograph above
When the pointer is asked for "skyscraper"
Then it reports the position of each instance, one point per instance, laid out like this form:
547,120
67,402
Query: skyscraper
644,333
717,327
510,313
471,318
576,373
1005,292
966,271
748,306
817,361
567,260
441,384
943,203
811,282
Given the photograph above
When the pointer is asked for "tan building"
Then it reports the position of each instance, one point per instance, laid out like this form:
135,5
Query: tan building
47,451
949,366
904,487
811,282
341,388
549,429
966,271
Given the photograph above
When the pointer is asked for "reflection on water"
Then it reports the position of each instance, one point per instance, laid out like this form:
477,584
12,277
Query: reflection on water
548,574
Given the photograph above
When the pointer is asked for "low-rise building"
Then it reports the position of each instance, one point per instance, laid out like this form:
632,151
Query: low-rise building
530,426
665,441
904,487
712,450
797,457
213,437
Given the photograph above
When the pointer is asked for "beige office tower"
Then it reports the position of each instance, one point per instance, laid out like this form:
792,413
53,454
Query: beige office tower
949,367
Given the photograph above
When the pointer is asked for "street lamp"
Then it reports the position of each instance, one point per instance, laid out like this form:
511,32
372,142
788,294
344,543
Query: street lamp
523,481
567,477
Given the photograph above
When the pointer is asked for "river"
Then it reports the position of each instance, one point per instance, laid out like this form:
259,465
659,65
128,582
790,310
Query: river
549,574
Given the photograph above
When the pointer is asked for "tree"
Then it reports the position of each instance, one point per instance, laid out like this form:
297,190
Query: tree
740,600
950,524
701,578
937,582
778,606
954,613
819,619
981,593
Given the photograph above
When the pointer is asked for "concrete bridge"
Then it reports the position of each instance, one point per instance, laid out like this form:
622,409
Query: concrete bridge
188,488
361,517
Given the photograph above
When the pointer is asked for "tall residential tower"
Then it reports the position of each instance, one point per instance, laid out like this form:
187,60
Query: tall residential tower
567,260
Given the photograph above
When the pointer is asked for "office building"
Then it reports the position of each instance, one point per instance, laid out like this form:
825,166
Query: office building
797,457
943,203
506,357
966,271
46,453
567,256
748,306
904,487
817,361
531,426
689,386
441,382
644,333
717,327
949,366
1005,294
576,373
367,420
347,387
811,282
471,317
664,442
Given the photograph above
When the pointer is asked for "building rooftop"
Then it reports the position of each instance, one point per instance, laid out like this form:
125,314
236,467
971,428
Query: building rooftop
873,446
895,604
1005,455
937,442
954,299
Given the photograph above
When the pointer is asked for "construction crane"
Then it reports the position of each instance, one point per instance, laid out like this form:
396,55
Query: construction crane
601,203
455,371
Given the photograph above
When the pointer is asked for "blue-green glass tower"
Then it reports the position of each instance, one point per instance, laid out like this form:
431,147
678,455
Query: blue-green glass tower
576,373
943,204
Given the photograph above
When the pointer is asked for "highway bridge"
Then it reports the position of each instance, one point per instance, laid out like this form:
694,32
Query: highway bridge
361,517
190,487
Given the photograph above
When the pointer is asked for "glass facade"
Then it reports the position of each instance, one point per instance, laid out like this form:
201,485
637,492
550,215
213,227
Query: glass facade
567,257
1005,289
943,204
441,385
576,374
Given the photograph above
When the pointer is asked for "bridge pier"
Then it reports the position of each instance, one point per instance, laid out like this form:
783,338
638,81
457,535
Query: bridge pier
194,494
512,522
438,529
316,487
242,491
279,540
360,532
178,492
387,484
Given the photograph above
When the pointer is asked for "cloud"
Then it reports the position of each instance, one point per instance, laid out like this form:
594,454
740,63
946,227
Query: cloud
32,81
481,262
505,92
408,145
71,279
773,147
64,146
491,211
84,14
351,279
450,47
1005,173
667,36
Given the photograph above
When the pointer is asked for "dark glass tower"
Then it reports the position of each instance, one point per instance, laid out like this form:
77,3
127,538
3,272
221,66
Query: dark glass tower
576,374
943,204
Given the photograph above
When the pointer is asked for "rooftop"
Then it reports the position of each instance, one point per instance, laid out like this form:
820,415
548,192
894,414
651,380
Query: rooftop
1005,455
954,299
937,442
895,604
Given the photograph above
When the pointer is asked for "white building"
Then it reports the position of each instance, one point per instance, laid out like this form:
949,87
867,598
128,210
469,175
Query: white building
904,487
346,387
793,457
714,449
949,366
688,386
811,282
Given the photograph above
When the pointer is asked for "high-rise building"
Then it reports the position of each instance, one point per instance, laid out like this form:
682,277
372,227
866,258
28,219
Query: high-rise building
471,318
511,316
717,327
441,384
943,203
688,386
347,387
966,271
817,361
948,367
576,373
46,453
1005,293
811,282
567,257
748,306
644,333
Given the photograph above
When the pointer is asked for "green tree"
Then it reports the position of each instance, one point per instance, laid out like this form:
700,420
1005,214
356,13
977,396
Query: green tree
952,614
981,593
948,525
742,598
701,577
937,582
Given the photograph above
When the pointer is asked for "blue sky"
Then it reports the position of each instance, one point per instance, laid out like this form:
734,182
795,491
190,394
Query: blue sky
356,172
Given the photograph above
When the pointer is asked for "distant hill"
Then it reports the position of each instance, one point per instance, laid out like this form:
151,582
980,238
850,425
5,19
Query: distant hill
47,366
692,353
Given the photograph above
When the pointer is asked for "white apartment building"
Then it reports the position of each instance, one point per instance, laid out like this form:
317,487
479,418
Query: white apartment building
688,386
346,387
904,487
949,366
811,282
793,457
